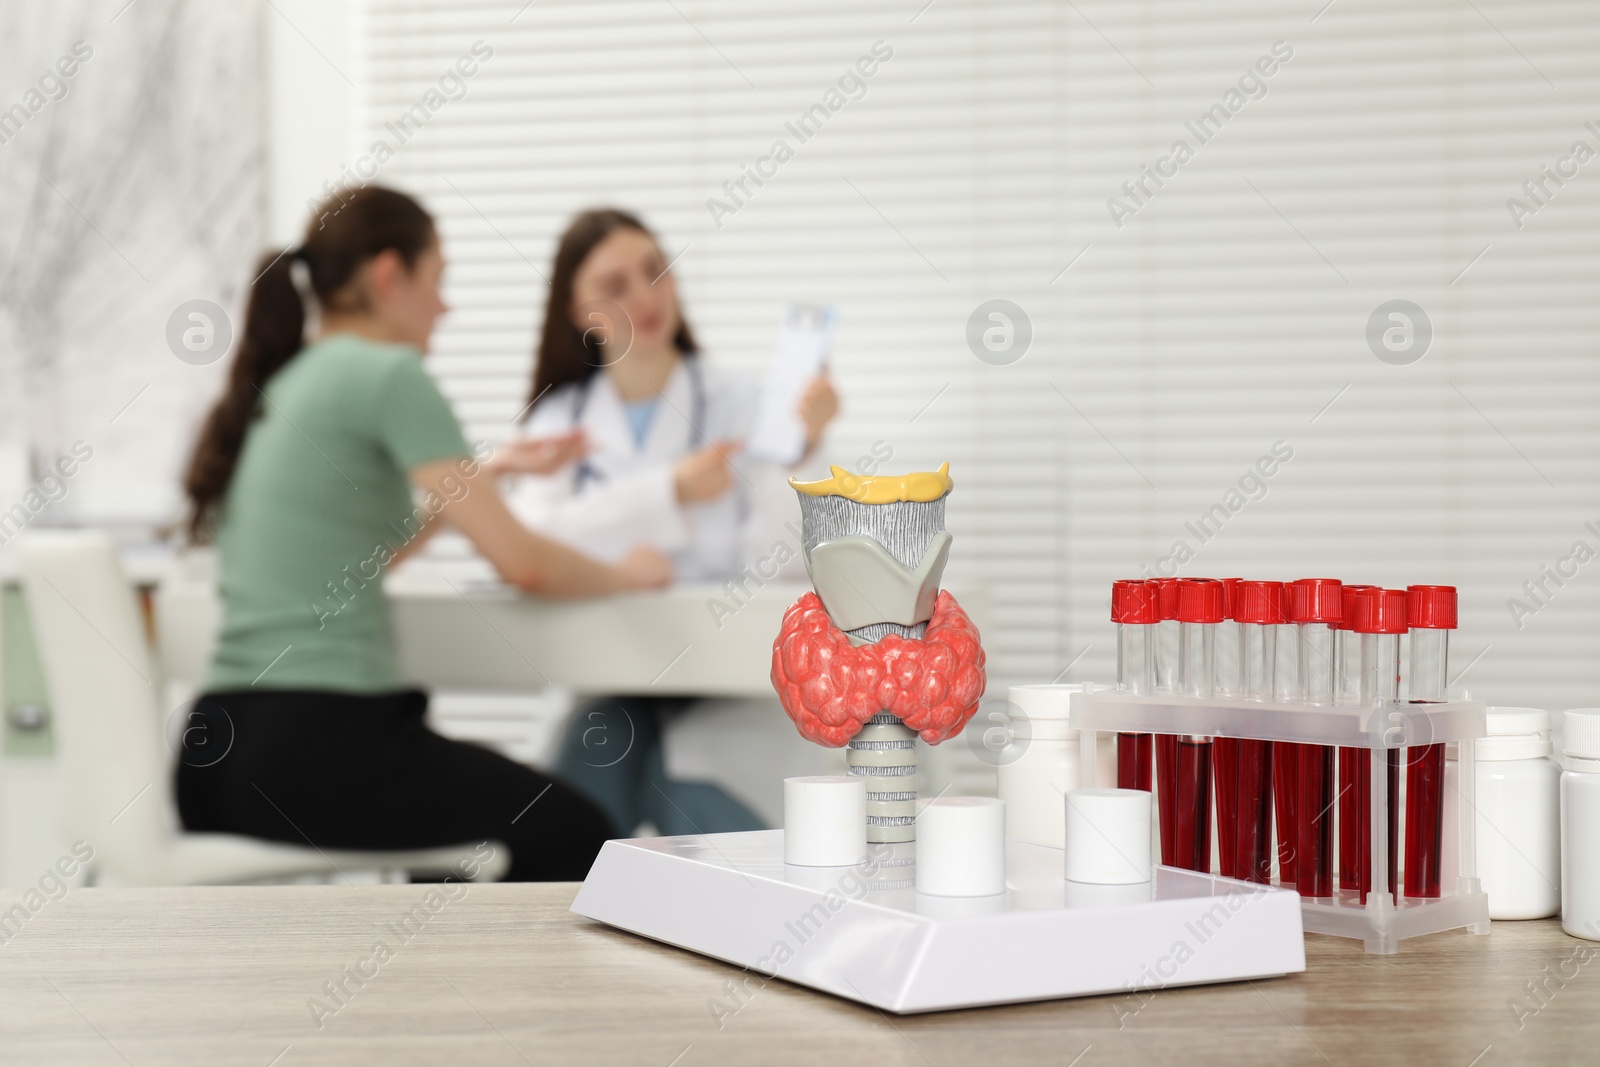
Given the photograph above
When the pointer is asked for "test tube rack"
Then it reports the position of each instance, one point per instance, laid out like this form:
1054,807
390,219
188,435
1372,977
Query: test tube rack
1382,922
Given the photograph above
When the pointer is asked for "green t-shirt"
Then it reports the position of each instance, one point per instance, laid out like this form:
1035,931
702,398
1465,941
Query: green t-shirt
318,503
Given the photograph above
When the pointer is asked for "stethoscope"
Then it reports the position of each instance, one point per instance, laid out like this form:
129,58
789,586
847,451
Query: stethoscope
587,471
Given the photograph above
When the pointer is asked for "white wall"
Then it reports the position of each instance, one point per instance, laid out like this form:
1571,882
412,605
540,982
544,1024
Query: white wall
311,72
144,187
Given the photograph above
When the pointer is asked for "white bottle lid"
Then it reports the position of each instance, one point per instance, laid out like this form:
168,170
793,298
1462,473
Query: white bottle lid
1514,734
1043,708
1580,730
961,847
825,820
1108,836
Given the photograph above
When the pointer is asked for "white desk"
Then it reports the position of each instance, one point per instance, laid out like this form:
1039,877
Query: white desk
454,632
665,642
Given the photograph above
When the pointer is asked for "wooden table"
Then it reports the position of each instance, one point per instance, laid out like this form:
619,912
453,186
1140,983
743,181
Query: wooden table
506,975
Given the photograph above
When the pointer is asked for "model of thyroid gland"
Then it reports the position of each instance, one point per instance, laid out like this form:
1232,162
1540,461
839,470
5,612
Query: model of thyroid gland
878,654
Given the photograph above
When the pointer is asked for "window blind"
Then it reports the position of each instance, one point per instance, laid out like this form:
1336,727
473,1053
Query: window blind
1194,322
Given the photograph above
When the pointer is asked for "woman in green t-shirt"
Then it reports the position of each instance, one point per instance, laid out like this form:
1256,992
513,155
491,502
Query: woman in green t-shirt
303,476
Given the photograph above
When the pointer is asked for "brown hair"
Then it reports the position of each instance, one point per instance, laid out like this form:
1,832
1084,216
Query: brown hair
349,229
567,354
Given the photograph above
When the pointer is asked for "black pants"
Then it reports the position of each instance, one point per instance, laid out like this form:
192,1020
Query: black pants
346,771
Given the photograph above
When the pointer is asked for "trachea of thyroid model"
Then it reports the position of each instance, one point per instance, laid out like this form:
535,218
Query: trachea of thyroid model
878,654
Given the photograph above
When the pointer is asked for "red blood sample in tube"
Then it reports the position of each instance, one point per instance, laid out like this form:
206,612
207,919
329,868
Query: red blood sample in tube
1286,789
1252,849
1166,745
1394,827
1231,682
1259,611
1135,603
1225,772
1424,819
1355,819
1286,792
1315,606
1133,761
1380,617
1167,795
1355,764
1201,604
1314,812
1192,834
1431,615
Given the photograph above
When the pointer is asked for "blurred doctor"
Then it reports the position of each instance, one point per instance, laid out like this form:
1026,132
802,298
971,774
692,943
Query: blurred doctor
662,465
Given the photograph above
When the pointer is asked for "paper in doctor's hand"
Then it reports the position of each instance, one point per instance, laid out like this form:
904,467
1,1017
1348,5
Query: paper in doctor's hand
538,455
705,473
780,432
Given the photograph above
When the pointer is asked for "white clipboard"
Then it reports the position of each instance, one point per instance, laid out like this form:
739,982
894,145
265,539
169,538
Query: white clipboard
805,341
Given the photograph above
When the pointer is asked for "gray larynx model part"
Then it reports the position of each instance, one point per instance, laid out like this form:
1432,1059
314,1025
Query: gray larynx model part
878,566
860,583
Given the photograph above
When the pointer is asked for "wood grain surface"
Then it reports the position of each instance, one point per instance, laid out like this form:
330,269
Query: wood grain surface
504,974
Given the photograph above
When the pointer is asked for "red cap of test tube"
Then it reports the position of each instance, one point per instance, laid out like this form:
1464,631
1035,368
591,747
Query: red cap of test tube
1380,611
1260,602
1431,607
1168,597
1200,600
1230,596
1348,595
1316,600
1136,601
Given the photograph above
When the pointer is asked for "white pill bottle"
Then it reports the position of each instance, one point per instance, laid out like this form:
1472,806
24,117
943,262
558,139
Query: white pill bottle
1519,815
1038,757
1580,823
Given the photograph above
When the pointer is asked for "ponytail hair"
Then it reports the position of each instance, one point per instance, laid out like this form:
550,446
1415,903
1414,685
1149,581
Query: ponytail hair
349,229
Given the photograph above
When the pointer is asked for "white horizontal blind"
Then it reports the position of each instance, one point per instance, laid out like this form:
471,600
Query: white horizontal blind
936,189
1231,311
1227,313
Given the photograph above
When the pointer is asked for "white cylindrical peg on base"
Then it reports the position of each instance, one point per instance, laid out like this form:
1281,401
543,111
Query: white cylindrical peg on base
1108,836
961,847
824,821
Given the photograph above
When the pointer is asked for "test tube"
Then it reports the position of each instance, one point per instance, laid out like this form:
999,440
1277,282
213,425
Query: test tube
1166,745
1230,683
1225,750
1201,603
1136,609
1380,619
1347,651
1167,652
1200,609
1355,764
1259,611
1315,605
1431,615
1286,689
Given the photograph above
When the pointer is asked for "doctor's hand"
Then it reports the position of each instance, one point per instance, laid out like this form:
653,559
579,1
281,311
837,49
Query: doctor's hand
645,568
537,455
705,474
818,405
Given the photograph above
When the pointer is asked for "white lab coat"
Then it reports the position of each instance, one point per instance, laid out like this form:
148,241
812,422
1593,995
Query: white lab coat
633,501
